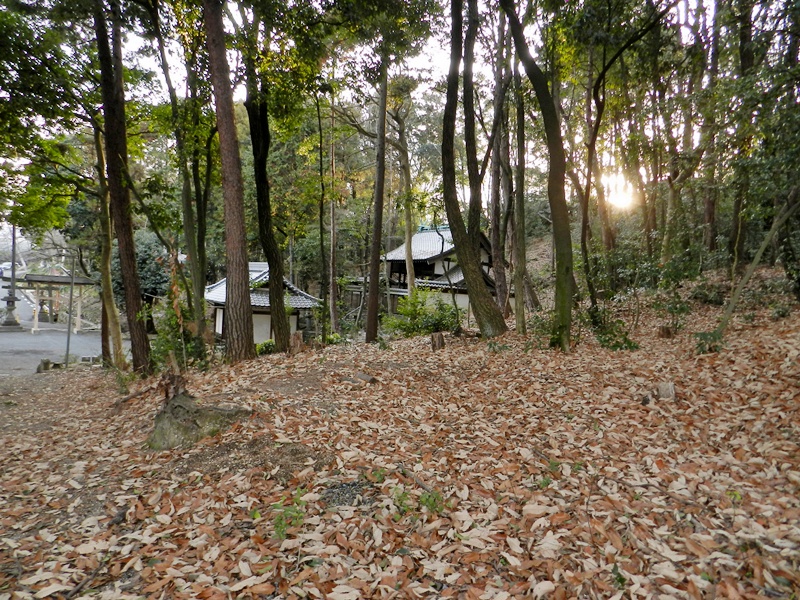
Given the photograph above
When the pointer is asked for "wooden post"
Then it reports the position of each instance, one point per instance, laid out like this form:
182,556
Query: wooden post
78,312
35,328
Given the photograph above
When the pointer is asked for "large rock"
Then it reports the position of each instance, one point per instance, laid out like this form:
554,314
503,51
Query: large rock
182,422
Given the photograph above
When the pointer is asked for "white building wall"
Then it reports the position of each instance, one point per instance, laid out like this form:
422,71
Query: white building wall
262,325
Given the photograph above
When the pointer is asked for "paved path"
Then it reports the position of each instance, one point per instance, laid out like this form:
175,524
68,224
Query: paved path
21,351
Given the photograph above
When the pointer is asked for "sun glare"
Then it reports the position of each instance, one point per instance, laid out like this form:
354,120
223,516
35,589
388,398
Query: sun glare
618,191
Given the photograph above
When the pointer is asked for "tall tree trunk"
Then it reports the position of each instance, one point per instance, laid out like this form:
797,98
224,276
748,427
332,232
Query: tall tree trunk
470,141
196,292
498,260
373,295
519,214
260,136
737,240
333,274
321,222
408,198
487,314
115,355
238,325
111,83
711,188
555,183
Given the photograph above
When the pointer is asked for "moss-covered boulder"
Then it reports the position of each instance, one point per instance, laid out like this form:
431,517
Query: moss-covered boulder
182,422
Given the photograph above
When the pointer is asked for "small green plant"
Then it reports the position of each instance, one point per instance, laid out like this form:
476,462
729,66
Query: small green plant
577,466
433,501
377,475
709,342
124,379
289,515
402,502
335,338
614,336
554,465
174,343
540,325
671,306
734,495
781,311
267,347
709,293
619,579
544,482
496,347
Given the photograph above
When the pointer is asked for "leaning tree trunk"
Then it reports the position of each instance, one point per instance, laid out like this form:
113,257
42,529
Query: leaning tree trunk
111,83
487,313
238,325
555,183
115,355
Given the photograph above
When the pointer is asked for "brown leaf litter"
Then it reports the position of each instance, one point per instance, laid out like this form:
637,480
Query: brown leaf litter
479,471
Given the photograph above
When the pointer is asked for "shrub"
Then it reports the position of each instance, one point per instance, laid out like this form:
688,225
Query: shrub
416,316
267,347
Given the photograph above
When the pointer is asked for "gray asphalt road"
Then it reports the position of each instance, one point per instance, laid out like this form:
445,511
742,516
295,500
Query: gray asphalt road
21,351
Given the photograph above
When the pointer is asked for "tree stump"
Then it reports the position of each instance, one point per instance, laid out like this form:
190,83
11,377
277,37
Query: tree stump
437,341
182,422
296,344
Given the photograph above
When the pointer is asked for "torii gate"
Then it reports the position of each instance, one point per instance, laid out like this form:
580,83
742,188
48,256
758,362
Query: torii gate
43,288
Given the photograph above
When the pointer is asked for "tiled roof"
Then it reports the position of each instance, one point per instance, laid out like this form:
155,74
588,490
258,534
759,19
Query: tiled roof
425,245
259,294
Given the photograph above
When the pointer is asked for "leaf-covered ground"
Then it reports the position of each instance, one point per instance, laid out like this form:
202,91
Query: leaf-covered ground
484,470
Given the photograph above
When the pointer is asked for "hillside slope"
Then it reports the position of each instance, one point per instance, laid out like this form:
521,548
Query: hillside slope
484,470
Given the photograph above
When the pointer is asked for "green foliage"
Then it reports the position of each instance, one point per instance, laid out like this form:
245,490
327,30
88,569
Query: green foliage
267,347
402,501
496,347
433,501
174,341
540,326
152,262
707,293
377,475
619,579
289,515
333,338
36,76
780,311
672,306
612,333
709,342
417,316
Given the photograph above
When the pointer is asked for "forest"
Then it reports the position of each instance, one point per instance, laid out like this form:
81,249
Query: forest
652,143
614,413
